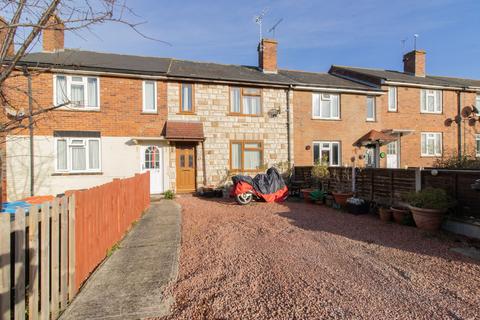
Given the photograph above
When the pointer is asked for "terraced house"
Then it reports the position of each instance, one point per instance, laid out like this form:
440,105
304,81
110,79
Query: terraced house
192,124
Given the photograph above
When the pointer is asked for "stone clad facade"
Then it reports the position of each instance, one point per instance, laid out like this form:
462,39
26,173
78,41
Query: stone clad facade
212,109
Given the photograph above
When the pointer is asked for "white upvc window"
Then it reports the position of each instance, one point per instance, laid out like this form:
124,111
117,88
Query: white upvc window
328,151
325,106
392,99
477,144
431,144
149,96
477,101
371,108
75,155
82,92
430,101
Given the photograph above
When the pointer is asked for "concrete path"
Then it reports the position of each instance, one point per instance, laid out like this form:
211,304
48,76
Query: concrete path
130,283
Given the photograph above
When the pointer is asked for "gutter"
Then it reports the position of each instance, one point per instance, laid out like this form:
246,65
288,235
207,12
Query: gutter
407,84
327,89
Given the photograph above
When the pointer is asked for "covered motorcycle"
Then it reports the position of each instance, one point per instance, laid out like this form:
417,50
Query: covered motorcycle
268,186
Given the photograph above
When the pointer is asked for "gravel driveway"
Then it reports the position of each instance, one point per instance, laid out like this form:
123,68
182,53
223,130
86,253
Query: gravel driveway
302,261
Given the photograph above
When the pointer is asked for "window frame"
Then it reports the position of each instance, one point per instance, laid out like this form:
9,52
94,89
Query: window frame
438,104
242,154
394,107
144,110
425,134
331,142
181,111
68,80
86,144
320,117
374,109
242,94
477,149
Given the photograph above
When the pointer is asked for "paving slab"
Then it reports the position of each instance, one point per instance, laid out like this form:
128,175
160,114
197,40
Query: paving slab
130,284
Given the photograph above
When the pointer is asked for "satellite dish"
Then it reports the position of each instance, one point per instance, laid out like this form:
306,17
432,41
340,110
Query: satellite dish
474,109
467,111
448,122
471,121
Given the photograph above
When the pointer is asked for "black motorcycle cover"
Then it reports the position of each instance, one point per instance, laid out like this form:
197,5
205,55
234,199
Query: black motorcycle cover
263,183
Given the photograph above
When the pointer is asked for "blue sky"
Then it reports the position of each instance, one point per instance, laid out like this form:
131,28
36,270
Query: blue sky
312,36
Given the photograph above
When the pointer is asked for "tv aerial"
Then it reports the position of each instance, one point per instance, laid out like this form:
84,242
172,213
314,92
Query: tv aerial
259,19
272,29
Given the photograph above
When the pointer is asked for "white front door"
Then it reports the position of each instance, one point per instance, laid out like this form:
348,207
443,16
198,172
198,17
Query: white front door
392,155
152,161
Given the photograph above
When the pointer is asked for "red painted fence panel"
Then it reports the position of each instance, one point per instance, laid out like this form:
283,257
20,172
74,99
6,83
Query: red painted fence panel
103,215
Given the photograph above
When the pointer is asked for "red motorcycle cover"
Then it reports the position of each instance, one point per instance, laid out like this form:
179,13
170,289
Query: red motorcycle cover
269,187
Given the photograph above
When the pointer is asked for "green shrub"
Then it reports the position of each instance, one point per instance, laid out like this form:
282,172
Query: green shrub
430,198
169,194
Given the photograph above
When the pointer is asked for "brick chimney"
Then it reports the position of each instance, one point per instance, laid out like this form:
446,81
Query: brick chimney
267,55
3,36
53,35
414,63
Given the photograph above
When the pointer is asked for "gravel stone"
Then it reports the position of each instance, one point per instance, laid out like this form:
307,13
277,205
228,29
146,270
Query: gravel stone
302,261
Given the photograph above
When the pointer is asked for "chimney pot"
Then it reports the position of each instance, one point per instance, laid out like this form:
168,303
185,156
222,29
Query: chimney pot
267,55
53,34
414,63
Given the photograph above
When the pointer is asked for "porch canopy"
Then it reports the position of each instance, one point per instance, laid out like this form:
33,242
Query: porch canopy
184,131
374,137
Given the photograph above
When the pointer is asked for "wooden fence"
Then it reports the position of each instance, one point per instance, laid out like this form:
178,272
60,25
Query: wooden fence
388,185
42,265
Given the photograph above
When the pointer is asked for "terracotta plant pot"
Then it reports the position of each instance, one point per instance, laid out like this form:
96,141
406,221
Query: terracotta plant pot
428,219
329,201
341,197
385,214
306,195
399,214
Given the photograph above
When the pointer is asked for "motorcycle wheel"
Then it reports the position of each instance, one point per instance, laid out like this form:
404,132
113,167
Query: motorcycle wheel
244,198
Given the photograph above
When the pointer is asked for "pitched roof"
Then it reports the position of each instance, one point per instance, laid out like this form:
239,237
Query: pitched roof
397,76
96,61
324,80
184,130
373,136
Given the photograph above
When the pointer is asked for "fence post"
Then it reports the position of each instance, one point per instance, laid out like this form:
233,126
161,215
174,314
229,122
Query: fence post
19,260
63,253
55,270
5,266
33,275
72,286
418,179
45,262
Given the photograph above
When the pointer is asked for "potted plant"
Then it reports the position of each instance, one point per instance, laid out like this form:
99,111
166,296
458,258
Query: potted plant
343,186
399,213
428,207
384,212
320,175
357,205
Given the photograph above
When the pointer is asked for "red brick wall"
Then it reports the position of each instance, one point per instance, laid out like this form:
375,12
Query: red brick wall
120,108
353,125
267,55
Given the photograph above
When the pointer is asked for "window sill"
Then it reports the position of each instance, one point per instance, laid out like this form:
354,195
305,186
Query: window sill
435,113
188,113
149,112
77,173
79,109
430,156
327,119
370,120
244,115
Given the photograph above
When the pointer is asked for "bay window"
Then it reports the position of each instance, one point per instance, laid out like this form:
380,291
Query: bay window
81,92
245,101
77,154
325,106
328,151
246,155
431,101
431,144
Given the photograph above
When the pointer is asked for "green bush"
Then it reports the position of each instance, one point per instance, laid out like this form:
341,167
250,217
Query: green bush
430,198
169,194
